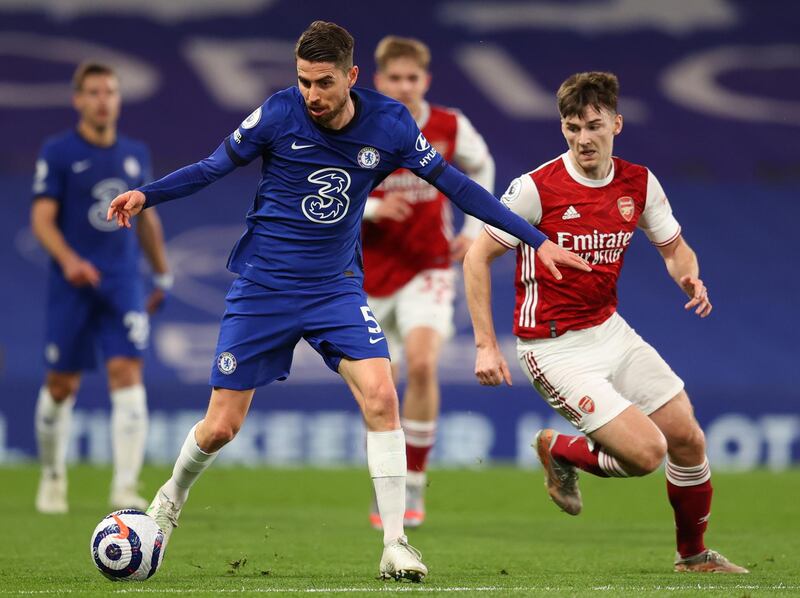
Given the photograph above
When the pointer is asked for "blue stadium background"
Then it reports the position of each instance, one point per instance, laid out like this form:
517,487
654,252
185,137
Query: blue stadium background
711,98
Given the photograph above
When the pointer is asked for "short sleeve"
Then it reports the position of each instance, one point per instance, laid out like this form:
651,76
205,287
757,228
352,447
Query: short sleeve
657,220
415,153
522,198
257,132
471,152
48,180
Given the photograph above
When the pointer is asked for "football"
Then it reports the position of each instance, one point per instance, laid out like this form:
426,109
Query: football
127,545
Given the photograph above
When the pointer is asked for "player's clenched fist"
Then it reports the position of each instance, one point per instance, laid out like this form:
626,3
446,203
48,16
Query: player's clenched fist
491,368
125,206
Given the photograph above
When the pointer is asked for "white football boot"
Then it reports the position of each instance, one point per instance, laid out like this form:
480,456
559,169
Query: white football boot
165,513
708,561
415,505
51,497
401,561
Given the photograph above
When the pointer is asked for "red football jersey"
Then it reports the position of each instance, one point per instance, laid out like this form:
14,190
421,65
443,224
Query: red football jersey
594,218
395,252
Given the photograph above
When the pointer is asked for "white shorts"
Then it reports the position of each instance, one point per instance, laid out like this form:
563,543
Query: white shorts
425,301
591,376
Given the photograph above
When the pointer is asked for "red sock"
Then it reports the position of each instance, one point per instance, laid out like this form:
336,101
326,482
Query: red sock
692,506
417,457
575,450
420,438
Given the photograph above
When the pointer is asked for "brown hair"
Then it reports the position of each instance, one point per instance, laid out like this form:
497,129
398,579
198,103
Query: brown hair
86,69
581,90
392,46
326,42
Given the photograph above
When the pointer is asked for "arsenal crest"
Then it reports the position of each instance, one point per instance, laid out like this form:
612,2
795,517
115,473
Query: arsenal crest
626,207
586,404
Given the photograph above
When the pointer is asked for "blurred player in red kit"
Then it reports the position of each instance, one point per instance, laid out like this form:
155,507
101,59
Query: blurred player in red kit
409,247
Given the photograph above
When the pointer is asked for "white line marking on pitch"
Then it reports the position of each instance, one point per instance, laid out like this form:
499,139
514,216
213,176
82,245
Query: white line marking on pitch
422,588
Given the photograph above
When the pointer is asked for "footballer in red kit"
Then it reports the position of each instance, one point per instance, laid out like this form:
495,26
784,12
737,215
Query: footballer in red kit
409,246
576,350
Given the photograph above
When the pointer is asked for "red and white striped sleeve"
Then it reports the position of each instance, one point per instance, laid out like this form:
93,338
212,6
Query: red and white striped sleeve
657,220
522,198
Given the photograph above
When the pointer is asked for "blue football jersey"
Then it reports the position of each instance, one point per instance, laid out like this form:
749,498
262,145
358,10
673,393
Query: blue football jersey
83,179
303,229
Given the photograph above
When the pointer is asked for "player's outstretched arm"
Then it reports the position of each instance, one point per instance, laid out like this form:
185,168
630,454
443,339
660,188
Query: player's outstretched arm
491,368
180,183
477,201
682,265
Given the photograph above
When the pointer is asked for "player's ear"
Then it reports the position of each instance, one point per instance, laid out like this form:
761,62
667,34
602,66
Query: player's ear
617,124
352,76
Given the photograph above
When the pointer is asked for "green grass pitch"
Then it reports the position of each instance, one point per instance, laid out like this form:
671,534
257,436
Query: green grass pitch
489,532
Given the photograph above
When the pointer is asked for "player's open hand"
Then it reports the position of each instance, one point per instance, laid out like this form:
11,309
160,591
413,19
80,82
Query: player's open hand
698,295
80,273
551,254
393,207
491,368
125,206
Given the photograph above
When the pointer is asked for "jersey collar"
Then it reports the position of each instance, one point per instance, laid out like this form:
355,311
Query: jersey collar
348,126
582,180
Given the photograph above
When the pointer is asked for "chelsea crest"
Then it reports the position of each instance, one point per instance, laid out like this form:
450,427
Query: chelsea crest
368,157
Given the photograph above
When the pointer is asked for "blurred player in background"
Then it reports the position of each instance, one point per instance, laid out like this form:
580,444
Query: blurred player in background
96,296
408,251
579,354
324,146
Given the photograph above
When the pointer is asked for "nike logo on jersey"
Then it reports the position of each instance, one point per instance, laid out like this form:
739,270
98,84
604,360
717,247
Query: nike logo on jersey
297,147
570,214
372,341
79,167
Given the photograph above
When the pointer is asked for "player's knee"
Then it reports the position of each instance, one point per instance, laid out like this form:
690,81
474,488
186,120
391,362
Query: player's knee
689,439
380,403
421,369
647,456
216,434
61,387
652,455
123,373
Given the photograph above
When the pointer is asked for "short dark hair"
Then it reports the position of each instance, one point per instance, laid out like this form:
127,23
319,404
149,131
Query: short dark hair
392,47
581,90
326,42
86,69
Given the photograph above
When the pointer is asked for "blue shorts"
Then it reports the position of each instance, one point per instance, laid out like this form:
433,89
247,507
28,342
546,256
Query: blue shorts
82,320
261,327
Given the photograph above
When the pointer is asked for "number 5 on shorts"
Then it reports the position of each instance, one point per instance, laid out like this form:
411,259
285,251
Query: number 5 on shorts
368,317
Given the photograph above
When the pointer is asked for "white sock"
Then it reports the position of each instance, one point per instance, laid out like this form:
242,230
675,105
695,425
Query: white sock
192,461
128,435
606,462
693,475
386,459
53,422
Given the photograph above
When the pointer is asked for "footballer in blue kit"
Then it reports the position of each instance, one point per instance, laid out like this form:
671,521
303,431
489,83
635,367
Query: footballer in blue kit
324,145
95,298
